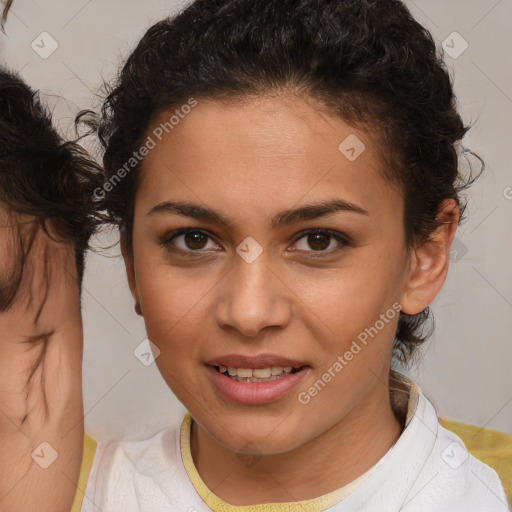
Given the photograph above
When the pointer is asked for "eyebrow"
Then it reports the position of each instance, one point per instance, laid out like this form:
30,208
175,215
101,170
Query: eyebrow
284,218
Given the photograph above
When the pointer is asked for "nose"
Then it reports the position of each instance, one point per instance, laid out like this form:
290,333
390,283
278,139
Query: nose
253,298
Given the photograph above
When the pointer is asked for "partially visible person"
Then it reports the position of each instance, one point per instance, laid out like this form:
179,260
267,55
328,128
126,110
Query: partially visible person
46,221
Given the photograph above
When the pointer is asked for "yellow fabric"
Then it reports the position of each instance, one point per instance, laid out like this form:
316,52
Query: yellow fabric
218,505
90,445
313,505
492,447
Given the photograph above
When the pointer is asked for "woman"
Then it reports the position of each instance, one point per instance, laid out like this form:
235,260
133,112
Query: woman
284,176
274,317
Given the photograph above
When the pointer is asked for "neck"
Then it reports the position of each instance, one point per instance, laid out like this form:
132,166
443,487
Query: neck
361,439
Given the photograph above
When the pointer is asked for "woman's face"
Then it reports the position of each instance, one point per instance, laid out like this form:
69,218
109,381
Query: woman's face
251,287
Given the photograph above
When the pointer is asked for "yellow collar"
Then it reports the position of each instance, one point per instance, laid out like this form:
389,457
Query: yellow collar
314,505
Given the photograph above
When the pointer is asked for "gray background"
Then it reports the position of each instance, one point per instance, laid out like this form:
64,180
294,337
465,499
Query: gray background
466,369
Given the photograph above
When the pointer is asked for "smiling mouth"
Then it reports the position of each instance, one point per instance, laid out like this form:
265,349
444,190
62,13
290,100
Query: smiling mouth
257,374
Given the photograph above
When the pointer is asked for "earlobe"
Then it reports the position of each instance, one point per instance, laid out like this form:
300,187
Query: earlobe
430,262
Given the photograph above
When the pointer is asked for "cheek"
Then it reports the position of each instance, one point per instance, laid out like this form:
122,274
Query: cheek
174,305
341,303
166,304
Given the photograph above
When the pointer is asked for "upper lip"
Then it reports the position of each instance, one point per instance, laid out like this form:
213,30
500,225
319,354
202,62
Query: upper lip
259,361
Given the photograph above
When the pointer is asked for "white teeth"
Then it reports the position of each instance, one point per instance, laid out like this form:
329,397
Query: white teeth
260,373
244,372
256,373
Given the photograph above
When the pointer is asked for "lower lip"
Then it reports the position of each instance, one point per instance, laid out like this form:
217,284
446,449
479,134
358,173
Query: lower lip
255,393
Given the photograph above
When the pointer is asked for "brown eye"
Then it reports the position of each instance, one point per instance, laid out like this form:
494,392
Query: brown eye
195,240
187,240
318,241
321,241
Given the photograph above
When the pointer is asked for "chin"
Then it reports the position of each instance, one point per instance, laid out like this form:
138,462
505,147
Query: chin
256,436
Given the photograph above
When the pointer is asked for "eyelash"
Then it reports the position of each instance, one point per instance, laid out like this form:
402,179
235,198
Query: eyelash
343,240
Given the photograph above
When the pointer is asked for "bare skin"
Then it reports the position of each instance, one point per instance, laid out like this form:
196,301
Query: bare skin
285,302
40,376
251,161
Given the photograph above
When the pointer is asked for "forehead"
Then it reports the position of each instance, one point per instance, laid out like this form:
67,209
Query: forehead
258,152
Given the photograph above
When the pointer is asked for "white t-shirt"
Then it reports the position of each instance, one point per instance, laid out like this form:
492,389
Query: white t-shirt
428,469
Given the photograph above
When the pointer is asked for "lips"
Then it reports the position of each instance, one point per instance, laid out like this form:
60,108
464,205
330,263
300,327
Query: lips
255,380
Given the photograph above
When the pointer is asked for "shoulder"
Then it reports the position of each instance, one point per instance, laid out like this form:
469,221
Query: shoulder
124,470
467,475
453,479
128,459
492,447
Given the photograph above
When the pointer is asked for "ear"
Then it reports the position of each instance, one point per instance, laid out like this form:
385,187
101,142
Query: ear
429,262
130,274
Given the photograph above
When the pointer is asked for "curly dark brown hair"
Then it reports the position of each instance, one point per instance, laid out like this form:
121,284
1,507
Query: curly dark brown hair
368,61
44,177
